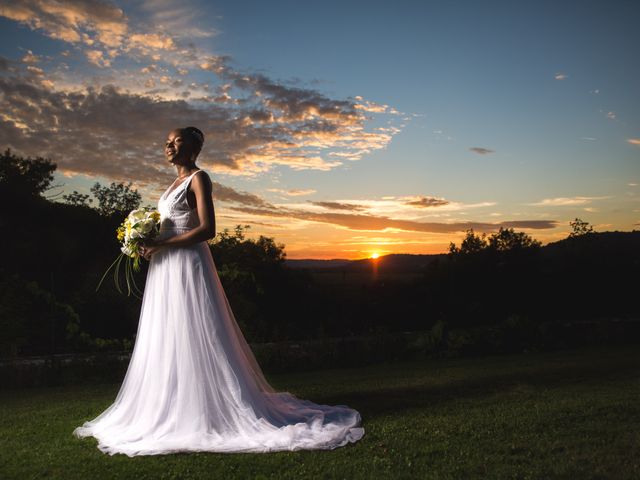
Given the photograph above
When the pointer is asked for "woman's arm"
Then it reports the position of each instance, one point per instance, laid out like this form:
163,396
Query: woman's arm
202,189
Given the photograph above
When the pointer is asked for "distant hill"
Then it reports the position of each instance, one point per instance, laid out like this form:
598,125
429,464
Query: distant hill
314,263
603,244
600,241
395,262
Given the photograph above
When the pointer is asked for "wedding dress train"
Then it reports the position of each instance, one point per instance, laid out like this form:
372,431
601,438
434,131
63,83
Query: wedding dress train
193,383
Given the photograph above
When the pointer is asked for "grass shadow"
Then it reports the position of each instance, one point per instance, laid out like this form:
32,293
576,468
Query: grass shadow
430,392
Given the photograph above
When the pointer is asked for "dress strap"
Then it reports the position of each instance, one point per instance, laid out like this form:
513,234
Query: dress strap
189,178
183,182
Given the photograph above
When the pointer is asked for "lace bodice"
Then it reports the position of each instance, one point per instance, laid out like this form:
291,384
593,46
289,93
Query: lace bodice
175,213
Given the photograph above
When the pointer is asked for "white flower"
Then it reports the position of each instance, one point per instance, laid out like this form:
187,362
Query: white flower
136,215
146,226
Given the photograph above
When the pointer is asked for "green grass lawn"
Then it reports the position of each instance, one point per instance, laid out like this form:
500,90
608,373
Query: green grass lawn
572,414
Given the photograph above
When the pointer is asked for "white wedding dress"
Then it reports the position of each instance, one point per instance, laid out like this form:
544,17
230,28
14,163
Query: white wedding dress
193,383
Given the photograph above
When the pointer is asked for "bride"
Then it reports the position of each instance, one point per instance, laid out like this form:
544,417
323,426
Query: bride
193,383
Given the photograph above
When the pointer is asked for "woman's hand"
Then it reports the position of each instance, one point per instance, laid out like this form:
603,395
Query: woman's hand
149,247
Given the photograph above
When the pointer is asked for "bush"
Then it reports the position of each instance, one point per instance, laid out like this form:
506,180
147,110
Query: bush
32,320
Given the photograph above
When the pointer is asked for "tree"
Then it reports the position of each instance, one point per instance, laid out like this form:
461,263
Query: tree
116,199
578,228
78,199
24,177
250,253
271,253
508,240
471,243
504,240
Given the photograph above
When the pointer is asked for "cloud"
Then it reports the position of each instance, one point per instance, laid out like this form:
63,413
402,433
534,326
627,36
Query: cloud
113,123
181,18
293,104
97,58
561,76
30,58
148,42
406,206
565,201
381,223
634,141
369,106
294,192
96,125
228,194
338,205
35,70
481,150
427,202
98,25
87,21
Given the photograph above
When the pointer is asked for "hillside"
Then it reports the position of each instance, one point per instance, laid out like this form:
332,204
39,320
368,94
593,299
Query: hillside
604,244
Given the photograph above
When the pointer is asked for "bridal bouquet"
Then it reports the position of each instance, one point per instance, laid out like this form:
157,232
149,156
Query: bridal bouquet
140,225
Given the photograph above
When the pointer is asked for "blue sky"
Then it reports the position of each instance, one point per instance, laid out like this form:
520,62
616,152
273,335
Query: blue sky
374,126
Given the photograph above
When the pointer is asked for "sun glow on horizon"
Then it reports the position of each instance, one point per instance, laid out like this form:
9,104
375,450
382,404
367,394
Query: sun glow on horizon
374,255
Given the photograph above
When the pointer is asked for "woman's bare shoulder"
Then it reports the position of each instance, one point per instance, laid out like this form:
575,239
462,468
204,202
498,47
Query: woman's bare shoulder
198,177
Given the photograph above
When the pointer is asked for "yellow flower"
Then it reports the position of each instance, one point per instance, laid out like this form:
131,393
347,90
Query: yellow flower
120,232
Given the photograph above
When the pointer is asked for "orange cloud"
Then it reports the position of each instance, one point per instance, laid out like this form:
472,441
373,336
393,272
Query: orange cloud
382,223
89,21
565,201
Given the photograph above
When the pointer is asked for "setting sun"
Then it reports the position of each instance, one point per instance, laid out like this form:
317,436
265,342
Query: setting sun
375,255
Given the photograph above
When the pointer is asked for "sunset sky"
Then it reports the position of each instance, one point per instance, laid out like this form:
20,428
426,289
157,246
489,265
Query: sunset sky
341,128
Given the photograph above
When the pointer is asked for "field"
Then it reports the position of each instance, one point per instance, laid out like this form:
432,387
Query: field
571,414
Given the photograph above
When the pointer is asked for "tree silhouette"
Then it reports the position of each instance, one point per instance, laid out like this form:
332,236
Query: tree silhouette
24,177
578,228
78,199
116,199
471,243
504,240
236,249
509,240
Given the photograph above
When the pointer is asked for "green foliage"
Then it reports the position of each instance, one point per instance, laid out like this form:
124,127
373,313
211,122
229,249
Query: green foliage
430,342
247,269
234,248
97,344
33,319
117,199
